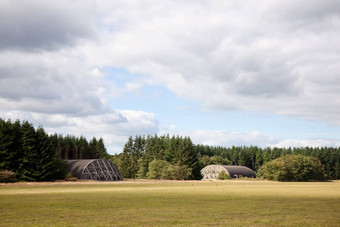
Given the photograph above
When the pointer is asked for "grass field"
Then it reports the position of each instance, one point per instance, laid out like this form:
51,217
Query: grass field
192,203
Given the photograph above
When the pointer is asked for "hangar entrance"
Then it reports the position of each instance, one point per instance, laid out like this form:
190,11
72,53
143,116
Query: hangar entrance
94,169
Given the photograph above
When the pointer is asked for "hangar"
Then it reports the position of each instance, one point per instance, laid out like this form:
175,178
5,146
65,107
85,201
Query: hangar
212,171
94,169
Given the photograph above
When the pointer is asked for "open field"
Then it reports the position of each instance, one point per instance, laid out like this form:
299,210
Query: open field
193,203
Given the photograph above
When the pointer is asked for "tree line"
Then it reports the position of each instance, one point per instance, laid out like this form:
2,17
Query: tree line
71,147
143,156
33,155
36,156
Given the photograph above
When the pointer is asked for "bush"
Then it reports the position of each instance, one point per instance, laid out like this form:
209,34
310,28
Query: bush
70,177
223,175
293,168
7,176
179,172
158,169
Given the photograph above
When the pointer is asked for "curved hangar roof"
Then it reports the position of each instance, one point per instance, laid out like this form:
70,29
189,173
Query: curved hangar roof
212,171
94,169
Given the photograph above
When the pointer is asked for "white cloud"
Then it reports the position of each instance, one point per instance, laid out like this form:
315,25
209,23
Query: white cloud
229,139
269,56
52,82
309,143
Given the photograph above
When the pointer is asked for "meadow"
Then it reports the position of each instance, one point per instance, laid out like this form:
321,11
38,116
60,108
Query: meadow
164,203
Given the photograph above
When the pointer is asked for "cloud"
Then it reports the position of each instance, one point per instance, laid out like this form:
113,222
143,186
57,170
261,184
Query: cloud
46,79
309,143
52,83
228,139
254,138
40,25
270,56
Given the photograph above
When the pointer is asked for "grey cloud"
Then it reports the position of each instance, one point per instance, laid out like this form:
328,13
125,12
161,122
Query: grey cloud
50,83
31,83
307,10
269,82
44,25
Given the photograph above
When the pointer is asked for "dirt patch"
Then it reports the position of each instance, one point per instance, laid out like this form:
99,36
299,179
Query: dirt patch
127,181
90,182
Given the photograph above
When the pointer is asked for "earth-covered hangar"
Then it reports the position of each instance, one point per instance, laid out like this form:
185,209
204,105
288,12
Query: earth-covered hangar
212,171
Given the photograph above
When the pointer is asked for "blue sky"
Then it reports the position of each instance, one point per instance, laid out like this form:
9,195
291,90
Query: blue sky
189,116
225,73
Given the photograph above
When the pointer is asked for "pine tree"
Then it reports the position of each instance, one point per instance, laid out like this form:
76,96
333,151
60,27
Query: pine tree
45,157
83,147
93,148
101,149
26,169
7,155
126,165
186,155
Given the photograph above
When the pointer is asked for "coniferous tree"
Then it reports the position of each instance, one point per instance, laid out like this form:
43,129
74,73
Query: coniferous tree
101,149
7,140
83,147
44,163
126,168
26,168
93,148
186,155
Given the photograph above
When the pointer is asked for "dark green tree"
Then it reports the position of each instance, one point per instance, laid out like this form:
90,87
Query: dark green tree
44,163
26,170
126,165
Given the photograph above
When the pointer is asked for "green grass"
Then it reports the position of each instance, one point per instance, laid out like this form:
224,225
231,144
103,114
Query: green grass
194,203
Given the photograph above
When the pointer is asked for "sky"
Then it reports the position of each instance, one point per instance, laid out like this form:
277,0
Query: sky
262,73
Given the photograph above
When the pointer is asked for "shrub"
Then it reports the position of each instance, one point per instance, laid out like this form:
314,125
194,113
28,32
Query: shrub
180,172
223,175
7,176
293,168
158,169
70,177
